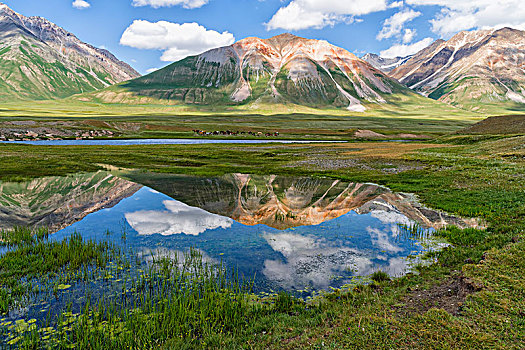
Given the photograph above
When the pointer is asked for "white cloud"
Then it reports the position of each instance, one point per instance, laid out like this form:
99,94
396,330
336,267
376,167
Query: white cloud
176,40
409,35
393,26
178,218
151,70
457,15
303,14
396,4
81,4
403,50
188,4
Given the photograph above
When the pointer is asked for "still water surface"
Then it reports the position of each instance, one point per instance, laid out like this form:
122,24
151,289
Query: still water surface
286,233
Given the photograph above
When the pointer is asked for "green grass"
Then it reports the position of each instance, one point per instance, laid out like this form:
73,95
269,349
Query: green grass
34,259
184,300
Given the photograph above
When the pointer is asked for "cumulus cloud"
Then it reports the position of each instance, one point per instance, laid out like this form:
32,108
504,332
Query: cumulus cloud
457,15
189,4
396,4
176,40
403,50
393,26
81,4
311,261
303,14
178,218
409,35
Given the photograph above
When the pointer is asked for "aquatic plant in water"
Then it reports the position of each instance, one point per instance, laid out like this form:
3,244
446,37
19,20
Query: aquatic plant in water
176,298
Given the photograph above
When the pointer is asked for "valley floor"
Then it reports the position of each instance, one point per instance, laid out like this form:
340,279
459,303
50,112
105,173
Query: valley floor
473,297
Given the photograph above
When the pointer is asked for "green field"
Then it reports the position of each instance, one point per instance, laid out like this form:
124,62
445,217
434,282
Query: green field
291,121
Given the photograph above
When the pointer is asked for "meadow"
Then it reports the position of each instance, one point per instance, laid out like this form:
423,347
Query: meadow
471,297
291,121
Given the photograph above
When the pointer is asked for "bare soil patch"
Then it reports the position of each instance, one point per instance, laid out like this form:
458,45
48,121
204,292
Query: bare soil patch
449,296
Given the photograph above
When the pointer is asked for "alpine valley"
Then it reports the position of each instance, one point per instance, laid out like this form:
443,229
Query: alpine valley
480,71
273,191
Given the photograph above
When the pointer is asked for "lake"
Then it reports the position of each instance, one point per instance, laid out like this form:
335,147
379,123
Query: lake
303,235
285,233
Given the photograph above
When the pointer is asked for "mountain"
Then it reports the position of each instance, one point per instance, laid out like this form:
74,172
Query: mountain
40,60
283,69
385,65
284,202
481,70
57,202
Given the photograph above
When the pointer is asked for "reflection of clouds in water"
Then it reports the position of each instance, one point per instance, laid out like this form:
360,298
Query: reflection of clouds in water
179,218
381,239
390,217
310,261
393,217
173,254
396,266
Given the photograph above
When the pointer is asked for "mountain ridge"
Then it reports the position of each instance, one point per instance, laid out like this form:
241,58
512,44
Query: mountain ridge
385,65
40,60
475,70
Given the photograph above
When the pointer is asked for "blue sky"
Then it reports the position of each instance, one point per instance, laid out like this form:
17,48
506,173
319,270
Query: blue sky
150,34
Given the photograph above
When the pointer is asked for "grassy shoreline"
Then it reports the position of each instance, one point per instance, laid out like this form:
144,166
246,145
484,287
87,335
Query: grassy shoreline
466,176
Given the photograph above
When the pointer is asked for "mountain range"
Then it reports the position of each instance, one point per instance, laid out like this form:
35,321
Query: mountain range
481,71
472,70
385,65
282,69
40,60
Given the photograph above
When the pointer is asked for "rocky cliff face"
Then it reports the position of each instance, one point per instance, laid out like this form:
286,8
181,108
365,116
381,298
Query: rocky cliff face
285,68
472,70
385,65
284,202
57,202
40,60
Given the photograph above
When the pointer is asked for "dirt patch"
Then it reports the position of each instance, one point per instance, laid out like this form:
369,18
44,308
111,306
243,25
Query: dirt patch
368,134
448,296
413,136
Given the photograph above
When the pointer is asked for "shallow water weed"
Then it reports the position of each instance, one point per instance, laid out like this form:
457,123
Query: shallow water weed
175,297
33,262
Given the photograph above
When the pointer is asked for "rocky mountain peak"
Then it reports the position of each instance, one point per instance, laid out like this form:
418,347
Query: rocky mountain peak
385,65
285,68
473,70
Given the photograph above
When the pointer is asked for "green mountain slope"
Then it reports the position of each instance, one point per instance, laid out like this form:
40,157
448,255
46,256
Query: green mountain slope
284,70
39,60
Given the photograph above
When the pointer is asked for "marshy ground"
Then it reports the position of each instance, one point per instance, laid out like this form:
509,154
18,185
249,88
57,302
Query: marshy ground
481,273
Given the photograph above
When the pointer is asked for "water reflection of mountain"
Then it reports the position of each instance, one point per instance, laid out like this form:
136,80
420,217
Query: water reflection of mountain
284,202
57,202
